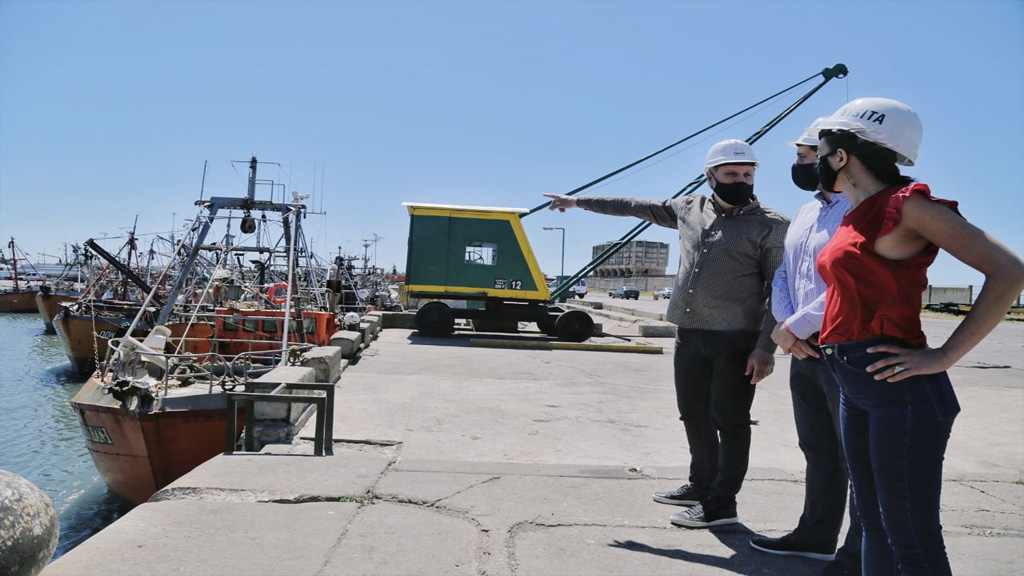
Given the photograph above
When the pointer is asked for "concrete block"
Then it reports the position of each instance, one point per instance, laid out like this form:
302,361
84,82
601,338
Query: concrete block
406,320
374,321
658,330
325,361
278,422
289,413
366,329
377,317
348,341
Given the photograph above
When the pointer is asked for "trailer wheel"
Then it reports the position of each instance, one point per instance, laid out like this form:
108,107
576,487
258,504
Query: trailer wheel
435,319
574,326
547,326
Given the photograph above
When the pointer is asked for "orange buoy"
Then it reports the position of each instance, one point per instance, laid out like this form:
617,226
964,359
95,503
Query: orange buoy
272,293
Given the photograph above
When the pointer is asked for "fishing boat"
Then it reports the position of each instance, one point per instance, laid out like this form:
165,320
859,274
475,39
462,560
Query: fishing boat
17,293
85,327
156,406
48,300
142,435
15,298
64,284
105,309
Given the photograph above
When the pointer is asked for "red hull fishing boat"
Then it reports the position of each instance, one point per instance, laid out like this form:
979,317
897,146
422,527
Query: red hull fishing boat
150,416
144,433
18,300
105,310
48,303
86,326
138,452
66,287
16,295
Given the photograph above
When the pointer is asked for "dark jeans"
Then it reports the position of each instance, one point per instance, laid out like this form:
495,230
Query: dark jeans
714,398
816,412
895,436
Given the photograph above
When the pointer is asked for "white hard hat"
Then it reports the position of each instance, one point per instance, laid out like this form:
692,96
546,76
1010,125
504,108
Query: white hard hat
730,152
810,135
889,123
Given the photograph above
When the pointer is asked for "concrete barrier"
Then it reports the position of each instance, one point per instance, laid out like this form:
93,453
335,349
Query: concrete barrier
275,422
366,329
374,323
658,330
326,362
348,341
405,320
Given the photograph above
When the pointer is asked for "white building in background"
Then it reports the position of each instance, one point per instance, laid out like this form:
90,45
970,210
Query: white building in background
636,258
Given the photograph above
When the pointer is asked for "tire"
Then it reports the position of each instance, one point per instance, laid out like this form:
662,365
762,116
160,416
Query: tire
547,326
435,319
574,326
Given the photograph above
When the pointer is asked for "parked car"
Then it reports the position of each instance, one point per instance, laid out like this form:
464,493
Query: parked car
625,292
665,293
579,290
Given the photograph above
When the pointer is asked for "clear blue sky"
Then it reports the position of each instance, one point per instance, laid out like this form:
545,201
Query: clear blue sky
108,110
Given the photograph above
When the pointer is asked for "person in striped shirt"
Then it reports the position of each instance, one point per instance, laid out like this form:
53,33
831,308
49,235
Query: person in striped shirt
798,304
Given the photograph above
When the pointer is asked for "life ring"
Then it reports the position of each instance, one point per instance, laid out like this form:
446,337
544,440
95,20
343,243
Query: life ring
272,293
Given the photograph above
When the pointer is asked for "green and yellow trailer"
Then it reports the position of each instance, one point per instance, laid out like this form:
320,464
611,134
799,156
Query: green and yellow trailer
475,263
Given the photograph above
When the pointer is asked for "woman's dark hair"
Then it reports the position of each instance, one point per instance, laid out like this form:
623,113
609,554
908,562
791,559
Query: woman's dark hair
878,160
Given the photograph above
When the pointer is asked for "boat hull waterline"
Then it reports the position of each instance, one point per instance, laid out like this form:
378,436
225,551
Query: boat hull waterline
136,452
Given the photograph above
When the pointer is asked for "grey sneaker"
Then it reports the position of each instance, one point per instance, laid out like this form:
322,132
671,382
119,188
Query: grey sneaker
687,495
696,517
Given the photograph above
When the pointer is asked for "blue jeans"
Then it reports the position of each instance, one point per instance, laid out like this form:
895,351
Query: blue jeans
895,436
714,396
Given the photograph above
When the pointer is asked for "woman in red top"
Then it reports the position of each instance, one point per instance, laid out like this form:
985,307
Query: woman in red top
897,405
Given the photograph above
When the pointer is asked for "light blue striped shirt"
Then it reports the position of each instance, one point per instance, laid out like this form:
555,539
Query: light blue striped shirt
798,292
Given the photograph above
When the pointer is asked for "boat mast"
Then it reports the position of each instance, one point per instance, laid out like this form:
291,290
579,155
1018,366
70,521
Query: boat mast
247,205
14,262
128,264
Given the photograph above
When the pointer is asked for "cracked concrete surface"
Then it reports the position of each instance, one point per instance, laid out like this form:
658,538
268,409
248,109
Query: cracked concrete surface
458,460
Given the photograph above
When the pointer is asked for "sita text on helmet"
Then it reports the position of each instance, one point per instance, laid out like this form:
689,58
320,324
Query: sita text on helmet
869,115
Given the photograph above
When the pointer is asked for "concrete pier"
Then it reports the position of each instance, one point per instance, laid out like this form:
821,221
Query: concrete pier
455,459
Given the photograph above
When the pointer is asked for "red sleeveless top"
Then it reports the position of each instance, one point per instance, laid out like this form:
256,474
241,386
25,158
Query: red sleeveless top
869,295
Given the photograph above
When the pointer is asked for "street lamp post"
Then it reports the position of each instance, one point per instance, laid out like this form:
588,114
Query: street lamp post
563,247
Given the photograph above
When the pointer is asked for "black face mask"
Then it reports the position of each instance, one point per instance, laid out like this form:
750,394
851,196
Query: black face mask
734,194
826,174
805,176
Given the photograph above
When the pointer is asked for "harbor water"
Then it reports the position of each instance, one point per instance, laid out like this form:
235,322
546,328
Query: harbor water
41,438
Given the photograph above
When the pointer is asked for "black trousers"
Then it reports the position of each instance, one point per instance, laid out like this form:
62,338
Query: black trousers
714,397
816,411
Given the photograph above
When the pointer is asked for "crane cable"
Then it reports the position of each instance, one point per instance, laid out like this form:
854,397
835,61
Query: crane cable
837,71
